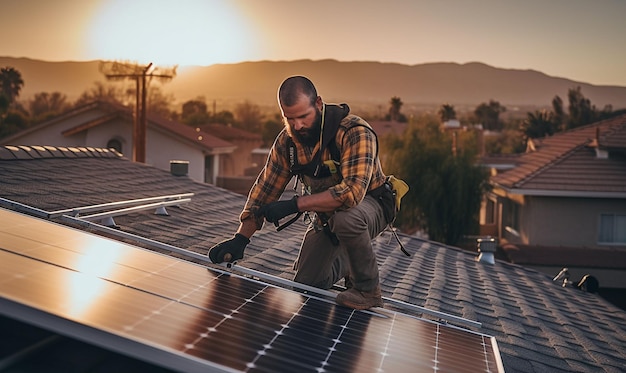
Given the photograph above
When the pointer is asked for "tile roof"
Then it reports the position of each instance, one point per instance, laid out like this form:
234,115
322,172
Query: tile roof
539,325
385,127
566,163
230,133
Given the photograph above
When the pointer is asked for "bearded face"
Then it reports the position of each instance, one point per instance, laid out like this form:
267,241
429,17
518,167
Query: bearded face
309,136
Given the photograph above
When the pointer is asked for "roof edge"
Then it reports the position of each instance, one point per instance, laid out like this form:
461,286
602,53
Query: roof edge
560,193
23,152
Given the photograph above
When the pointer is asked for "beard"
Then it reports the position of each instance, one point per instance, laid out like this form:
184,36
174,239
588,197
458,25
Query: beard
310,136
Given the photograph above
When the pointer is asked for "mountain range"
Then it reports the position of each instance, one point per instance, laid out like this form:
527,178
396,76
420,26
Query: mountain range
358,83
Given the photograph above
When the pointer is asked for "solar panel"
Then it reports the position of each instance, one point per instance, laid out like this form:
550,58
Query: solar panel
191,318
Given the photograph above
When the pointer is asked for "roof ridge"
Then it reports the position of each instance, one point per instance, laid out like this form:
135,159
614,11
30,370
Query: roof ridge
11,152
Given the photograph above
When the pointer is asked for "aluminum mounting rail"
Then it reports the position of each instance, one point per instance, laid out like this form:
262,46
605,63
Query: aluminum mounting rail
171,199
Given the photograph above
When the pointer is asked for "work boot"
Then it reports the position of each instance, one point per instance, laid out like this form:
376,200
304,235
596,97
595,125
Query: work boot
360,300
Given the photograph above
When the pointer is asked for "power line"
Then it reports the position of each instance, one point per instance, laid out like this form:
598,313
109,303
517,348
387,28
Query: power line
140,74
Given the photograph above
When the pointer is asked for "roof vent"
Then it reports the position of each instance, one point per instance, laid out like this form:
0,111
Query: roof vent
179,168
486,248
602,154
587,283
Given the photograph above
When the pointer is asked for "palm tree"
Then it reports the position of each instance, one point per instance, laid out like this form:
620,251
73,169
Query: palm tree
446,112
489,115
539,124
394,108
10,83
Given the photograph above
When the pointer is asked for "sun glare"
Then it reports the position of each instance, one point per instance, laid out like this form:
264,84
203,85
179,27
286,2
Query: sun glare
170,32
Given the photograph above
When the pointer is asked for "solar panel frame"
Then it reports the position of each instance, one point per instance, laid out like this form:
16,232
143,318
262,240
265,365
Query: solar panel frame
156,291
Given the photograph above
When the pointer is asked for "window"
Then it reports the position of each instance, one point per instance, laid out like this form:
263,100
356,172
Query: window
490,212
209,169
115,144
511,215
612,229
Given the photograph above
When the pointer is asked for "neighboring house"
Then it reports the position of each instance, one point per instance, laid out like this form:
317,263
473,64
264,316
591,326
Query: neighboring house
563,203
246,143
386,127
243,165
108,125
539,325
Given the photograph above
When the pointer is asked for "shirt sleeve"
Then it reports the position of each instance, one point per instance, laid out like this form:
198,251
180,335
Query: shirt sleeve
271,181
358,162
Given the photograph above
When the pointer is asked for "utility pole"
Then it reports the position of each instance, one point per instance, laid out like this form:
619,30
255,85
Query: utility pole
140,74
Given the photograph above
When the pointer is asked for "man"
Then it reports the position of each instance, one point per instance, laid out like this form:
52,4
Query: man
335,156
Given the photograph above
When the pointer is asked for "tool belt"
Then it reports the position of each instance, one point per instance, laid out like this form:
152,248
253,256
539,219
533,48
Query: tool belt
389,195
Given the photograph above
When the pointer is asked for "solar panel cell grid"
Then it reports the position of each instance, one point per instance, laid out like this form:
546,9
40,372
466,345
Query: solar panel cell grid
193,319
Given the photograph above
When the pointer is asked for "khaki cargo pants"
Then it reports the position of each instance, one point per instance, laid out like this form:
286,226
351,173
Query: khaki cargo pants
321,263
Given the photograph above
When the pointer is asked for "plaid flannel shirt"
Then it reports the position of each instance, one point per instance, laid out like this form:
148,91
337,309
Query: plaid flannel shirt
359,166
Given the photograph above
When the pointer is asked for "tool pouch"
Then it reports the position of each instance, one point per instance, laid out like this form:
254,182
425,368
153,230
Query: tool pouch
389,195
399,188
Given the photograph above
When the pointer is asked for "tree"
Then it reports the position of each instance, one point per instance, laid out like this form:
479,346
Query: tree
446,191
45,105
395,104
446,112
10,83
489,115
194,113
194,107
558,113
581,111
271,129
13,122
13,118
4,106
106,93
223,117
159,103
507,141
248,116
538,124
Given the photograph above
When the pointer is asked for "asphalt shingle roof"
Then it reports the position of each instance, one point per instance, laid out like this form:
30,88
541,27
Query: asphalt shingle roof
539,325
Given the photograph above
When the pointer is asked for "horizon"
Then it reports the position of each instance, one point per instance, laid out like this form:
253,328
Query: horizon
579,41
179,67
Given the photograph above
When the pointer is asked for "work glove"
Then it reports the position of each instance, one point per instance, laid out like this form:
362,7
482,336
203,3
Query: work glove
229,250
275,211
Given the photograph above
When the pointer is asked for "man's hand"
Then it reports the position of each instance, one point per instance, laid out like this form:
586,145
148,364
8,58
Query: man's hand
229,250
275,211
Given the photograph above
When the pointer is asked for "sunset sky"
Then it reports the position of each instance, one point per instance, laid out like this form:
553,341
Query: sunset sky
582,40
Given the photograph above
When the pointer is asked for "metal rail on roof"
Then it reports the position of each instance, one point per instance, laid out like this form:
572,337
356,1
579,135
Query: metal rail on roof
183,197
107,216
108,210
24,208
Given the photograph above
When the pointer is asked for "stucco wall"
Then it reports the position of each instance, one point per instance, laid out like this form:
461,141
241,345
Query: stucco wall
52,134
566,221
160,147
